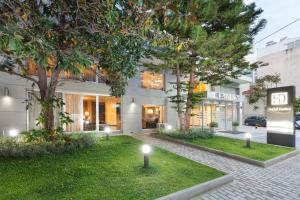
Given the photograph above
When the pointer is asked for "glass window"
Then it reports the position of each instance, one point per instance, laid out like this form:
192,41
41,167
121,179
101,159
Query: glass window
109,112
89,113
151,116
73,108
152,80
200,87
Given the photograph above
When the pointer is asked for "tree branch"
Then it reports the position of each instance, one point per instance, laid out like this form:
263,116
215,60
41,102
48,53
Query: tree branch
11,72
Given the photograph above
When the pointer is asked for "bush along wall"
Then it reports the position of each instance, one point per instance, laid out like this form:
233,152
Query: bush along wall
191,133
20,148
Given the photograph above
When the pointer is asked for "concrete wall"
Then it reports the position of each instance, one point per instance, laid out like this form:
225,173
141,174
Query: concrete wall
287,64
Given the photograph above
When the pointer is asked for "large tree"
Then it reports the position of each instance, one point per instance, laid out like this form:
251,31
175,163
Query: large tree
218,35
57,36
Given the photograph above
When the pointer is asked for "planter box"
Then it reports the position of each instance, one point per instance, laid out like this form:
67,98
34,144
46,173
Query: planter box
234,156
198,189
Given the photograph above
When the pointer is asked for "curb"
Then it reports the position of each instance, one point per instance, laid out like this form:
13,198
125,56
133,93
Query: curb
263,164
199,189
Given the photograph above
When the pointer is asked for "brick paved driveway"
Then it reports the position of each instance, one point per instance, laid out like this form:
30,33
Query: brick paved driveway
278,182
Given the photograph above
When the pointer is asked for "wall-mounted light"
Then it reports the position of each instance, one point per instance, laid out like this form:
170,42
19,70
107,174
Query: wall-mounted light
133,100
6,91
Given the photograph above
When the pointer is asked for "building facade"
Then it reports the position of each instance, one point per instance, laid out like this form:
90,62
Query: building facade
141,109
283,58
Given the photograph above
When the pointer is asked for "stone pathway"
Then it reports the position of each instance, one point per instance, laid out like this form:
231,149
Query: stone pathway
278,182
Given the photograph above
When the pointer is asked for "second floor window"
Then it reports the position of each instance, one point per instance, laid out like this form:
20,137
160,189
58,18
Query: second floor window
152,80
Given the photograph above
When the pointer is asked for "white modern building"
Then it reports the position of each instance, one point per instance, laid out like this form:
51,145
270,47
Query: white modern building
144,105
283,58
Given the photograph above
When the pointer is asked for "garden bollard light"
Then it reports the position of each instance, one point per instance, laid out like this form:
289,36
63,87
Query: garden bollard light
107,130
248,137
146,150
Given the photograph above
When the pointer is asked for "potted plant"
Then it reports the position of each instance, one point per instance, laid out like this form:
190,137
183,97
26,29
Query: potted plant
234,126
213,126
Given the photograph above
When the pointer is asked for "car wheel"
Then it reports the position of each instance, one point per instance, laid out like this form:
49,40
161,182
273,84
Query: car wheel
246,123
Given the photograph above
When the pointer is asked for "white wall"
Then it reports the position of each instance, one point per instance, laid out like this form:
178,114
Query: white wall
132,112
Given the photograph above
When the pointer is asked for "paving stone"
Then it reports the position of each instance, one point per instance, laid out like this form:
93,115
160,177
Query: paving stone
280,181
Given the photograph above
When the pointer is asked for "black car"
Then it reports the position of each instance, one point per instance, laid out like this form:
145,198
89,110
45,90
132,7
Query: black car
255,121
297,121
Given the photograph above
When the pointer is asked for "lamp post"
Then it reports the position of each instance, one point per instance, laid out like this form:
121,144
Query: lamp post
107,130
146,150
248,137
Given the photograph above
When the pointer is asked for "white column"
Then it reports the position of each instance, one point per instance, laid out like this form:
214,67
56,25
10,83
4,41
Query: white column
64,108
97,113
81,113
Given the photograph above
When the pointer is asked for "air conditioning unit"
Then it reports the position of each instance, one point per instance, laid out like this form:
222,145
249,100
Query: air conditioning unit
162,125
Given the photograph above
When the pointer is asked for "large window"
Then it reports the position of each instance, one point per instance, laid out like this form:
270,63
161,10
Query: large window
73,107
109,112
151,116
152,80
89,113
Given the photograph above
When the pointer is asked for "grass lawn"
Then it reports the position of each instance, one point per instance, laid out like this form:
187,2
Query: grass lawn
258,151
109,170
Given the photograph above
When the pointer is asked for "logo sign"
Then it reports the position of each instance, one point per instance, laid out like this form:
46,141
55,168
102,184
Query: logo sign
223,96
280,114
279,98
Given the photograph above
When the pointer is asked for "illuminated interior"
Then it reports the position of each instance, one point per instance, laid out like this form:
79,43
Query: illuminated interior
200,87
152,80
223,114
89,113
151,116
110,112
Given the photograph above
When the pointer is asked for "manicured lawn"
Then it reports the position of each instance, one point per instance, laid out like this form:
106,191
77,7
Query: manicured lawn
258,151
108,170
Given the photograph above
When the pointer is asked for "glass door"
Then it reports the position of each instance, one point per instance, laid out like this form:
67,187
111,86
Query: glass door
151,116
220,116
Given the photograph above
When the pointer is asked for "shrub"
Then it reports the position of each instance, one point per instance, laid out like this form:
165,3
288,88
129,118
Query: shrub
213,124
235,123
20,148
191,133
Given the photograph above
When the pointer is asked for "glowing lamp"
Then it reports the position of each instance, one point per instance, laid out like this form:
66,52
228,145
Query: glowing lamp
146,150
169,127
248,137
107,130
13,133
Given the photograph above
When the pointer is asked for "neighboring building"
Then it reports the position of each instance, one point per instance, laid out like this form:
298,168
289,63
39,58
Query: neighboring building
283,58
144,105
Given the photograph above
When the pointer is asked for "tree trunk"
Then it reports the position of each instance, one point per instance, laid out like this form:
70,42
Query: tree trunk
178,93
189,103
47,92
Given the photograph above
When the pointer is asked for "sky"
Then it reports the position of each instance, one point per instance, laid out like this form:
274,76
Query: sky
278,13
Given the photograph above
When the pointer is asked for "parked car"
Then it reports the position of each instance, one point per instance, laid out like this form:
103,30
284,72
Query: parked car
255,121
297,121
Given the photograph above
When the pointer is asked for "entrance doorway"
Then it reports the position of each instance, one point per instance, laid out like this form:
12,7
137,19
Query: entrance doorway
151,116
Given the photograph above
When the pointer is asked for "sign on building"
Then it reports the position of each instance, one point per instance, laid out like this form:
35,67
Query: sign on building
281,116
